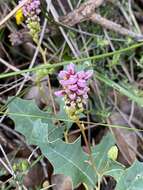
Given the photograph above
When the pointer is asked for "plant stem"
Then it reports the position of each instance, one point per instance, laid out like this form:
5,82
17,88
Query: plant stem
49,84
82,129
79,60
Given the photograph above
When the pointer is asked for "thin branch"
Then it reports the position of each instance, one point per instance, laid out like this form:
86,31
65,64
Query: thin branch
96,18
81,13
86,12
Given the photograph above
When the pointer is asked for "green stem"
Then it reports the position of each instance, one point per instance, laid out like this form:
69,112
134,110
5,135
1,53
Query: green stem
135,97
96,57
43,53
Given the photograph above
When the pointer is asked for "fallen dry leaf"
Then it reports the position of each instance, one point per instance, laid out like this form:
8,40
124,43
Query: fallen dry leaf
125,139
34,177
61,182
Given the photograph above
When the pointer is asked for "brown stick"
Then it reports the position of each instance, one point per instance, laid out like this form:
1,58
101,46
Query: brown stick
86,12
81,13
114,26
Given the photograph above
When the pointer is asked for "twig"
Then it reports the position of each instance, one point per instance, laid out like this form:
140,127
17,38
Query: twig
8,162
6,167
133,17
82,13
86,12
114,26
13,68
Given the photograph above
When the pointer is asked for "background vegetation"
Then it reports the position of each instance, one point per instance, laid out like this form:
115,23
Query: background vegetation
40,146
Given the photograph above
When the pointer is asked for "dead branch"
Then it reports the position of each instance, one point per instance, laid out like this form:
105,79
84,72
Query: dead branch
87,12
98,19
82,13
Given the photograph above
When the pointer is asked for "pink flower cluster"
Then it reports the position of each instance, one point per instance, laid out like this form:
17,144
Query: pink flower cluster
32,8
75,87
31,11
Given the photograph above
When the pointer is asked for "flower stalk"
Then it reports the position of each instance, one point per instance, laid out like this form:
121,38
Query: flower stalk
75,94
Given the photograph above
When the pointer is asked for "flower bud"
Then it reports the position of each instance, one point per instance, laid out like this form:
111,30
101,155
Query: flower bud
113,153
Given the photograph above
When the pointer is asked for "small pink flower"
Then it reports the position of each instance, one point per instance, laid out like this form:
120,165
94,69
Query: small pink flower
71,68
81,74
86,89
63,74
81,83
70,81
85,96
73,87
88,74
60,93
80,92
72,96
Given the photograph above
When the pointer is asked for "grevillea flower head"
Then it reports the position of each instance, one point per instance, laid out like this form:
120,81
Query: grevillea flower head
31,11
74,89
